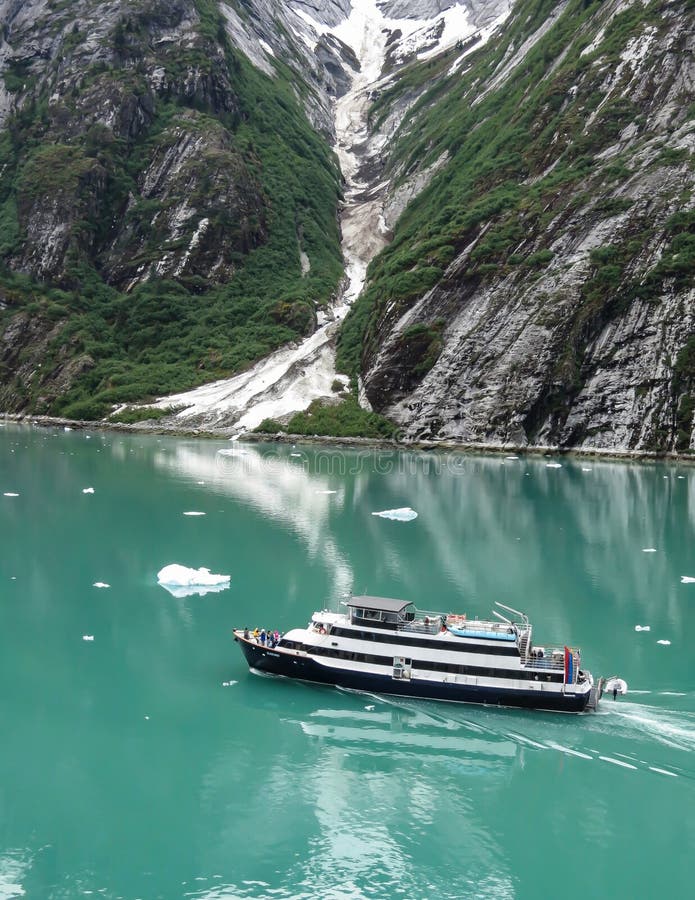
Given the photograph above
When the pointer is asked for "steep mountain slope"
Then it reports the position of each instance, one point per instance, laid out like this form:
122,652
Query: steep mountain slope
167,211
540,289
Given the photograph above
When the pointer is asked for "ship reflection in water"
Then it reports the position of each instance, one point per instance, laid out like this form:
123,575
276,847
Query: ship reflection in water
405,733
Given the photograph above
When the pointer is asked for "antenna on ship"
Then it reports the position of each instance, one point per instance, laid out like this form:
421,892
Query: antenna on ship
516,612
500,616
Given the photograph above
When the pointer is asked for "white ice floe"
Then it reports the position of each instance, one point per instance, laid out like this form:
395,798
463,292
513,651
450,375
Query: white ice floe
194,512
295,454
585,469
404,514
182,581
642,627
648,549
687,579
370,707
229,683
101,584
89,490
664,643
87,637
10,494
511,457
325,492
67,428
553,465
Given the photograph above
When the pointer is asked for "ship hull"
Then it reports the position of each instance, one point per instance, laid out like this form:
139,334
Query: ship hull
304,668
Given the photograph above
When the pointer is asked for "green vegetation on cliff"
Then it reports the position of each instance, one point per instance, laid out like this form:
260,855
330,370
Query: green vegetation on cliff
525,156
158,288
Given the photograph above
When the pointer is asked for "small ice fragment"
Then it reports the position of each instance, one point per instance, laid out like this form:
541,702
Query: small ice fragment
88,490
200,482
681,477
664,643
101,584
553,465
665,476
325,492
194,513
10,494
404,514
642,627
87,637
687,579
370,708
67,428
511,457
229,683
584,469
295,454
648,549
147,717
14,578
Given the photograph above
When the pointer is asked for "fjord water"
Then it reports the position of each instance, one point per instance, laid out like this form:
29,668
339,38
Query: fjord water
149,762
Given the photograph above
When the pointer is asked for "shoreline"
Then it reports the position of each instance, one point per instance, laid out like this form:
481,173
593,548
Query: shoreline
352,443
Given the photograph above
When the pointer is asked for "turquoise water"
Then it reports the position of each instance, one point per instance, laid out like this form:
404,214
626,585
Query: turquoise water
149,763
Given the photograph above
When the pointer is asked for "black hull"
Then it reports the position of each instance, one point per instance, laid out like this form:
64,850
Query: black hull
289,665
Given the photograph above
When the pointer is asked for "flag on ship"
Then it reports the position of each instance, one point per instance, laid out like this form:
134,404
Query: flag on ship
569,666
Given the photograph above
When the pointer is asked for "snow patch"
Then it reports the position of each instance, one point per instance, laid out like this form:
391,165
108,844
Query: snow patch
268,49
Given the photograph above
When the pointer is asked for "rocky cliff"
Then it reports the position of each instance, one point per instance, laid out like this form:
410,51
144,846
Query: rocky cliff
539,290
170,203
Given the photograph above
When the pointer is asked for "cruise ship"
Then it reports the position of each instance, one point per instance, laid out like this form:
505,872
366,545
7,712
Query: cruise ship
385,646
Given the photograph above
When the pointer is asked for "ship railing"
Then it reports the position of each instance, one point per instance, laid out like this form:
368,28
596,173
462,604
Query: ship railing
545,658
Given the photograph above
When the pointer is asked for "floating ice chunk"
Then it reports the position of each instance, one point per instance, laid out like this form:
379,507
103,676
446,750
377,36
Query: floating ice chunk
404,514
229,683
585,469
295,454
664,643
10,494
67,428
553,465
234,451
687,579
681,477
147,718
87,490
87,637
200,482
648,549
643,628
511,457
181,581
194,512
101,584
325,492
370,707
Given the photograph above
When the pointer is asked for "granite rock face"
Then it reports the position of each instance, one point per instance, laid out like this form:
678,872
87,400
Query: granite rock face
590,344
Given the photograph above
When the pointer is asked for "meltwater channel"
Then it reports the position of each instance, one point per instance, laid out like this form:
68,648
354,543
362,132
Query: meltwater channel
148,762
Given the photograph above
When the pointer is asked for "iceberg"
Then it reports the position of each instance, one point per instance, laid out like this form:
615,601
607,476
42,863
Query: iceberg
404,514
664,643
87,490
10,494
194,512
649,550
181,581
553,465
642,627
87,637
686,579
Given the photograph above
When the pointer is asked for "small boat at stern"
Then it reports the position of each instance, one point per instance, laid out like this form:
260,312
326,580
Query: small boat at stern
386,646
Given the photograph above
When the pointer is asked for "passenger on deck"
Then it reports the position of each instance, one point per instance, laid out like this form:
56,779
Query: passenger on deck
256,634
246,633
262,638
